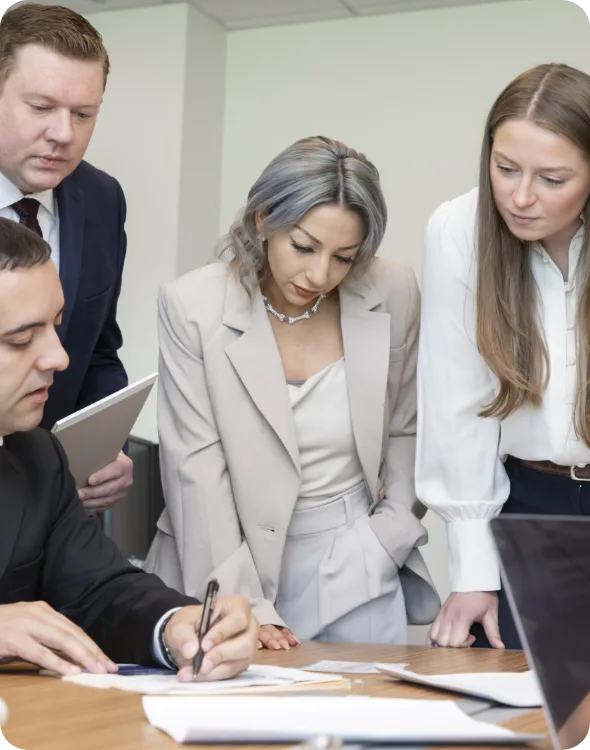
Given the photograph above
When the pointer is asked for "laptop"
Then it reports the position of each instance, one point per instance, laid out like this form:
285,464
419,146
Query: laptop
545,564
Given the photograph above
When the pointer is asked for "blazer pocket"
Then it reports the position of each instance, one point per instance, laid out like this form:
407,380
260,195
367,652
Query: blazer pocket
164,525
397,354
94,297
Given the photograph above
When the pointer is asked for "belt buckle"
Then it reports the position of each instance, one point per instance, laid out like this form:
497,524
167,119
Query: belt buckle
575,477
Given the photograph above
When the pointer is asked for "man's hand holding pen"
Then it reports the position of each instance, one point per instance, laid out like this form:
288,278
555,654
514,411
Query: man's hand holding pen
229,640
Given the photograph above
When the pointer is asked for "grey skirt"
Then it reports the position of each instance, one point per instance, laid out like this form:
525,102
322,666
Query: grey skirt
338,583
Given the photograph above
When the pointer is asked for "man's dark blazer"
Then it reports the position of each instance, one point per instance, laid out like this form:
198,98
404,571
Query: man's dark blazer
50,550
92,245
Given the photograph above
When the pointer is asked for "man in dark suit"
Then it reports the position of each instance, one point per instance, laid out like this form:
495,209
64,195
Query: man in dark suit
64,588
53,71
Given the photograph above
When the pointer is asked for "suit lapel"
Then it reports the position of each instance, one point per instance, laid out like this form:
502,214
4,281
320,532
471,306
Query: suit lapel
366,337
70,204
12,499
256,359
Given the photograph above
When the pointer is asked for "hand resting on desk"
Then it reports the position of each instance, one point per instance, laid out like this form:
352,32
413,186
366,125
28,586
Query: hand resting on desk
34,632
276,638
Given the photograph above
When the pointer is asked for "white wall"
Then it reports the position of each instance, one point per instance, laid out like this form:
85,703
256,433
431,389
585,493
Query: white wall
202,141
138,140
160,134
410,90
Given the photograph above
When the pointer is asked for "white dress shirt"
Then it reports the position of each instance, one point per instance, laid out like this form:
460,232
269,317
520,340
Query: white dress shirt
459,465
48,214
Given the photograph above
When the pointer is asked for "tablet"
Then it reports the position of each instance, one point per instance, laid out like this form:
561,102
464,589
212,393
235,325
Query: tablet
94,436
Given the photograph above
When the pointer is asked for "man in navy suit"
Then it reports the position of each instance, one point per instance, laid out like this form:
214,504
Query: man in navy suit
53,71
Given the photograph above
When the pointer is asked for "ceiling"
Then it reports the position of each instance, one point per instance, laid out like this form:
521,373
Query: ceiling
244,14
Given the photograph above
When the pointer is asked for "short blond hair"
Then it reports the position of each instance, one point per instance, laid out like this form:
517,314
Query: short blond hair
52,26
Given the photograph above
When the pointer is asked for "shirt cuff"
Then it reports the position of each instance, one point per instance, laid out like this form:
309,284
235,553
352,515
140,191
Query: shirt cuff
473,558
156,650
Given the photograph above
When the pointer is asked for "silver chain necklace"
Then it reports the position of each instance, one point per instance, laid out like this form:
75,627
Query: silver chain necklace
286,318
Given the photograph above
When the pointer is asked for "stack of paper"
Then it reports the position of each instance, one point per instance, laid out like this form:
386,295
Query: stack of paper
258,719
519,689
255,678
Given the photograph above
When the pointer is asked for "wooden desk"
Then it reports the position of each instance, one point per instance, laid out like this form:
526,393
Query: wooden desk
46,714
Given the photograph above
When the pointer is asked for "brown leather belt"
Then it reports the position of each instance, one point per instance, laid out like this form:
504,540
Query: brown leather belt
577,473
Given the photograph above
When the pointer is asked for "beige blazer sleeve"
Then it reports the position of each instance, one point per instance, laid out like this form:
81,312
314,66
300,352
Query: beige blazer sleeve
197,487
396,518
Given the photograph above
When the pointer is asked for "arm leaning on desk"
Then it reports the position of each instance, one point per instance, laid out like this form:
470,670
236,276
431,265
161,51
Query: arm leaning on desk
68,717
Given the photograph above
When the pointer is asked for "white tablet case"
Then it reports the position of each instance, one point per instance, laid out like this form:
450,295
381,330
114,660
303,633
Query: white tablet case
94,436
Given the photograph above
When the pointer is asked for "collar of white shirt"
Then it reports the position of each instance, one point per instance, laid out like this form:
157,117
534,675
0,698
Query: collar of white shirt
10,194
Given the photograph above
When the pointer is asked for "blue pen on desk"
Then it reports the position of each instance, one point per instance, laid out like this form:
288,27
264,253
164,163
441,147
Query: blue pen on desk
210,598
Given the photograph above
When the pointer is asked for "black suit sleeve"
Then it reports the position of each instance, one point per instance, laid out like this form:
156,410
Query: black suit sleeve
87,580
105,373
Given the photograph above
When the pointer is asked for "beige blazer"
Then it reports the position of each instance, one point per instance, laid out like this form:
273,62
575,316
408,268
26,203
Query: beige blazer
229,454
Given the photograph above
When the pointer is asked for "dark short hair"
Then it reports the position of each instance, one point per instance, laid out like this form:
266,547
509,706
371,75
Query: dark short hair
21,247
54,27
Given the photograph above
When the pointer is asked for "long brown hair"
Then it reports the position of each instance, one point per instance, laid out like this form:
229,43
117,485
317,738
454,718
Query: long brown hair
509,335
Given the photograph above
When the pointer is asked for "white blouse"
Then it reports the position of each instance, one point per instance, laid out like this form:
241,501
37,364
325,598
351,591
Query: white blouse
459,466
330,464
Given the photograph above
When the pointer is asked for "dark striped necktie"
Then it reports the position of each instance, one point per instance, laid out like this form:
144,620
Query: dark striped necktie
27,210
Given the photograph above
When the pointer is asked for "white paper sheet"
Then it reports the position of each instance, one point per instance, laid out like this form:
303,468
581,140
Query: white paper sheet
256,676
3,712
293,719
519,689
346,667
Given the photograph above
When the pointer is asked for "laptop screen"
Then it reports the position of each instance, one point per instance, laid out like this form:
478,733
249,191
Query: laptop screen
546,572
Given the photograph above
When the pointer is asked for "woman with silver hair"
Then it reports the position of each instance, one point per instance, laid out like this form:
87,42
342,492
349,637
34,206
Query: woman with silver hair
287,412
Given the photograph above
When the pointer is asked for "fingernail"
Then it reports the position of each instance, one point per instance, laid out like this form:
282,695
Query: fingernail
101,667
82,495
112,666
207,644
285,645
73,669
189,649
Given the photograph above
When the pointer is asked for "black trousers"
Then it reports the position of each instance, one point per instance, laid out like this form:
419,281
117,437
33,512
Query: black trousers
539,493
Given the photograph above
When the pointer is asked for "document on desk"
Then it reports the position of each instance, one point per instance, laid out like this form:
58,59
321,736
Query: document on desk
259,719
255,678
346,667
3,712
519,689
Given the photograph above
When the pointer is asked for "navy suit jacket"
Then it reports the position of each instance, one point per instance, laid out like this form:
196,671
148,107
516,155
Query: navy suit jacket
92,240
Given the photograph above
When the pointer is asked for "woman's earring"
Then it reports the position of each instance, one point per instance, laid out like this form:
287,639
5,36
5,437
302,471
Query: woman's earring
262,240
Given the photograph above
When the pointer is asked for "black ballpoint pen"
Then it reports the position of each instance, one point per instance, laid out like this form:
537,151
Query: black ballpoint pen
208,605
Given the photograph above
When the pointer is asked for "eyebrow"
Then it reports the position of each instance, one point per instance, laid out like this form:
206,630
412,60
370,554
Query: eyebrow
544,169
314,239
29,326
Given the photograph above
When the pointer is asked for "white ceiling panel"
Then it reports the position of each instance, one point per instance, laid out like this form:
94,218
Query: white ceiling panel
371,7
235,10
239,14
243,14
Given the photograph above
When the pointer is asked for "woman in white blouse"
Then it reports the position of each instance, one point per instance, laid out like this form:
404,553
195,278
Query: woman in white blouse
505,341
287,412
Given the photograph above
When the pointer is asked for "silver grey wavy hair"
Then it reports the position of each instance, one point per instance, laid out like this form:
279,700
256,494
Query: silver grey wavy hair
311,172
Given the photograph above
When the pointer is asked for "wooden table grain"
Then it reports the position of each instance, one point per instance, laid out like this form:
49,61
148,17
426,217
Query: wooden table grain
47,714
